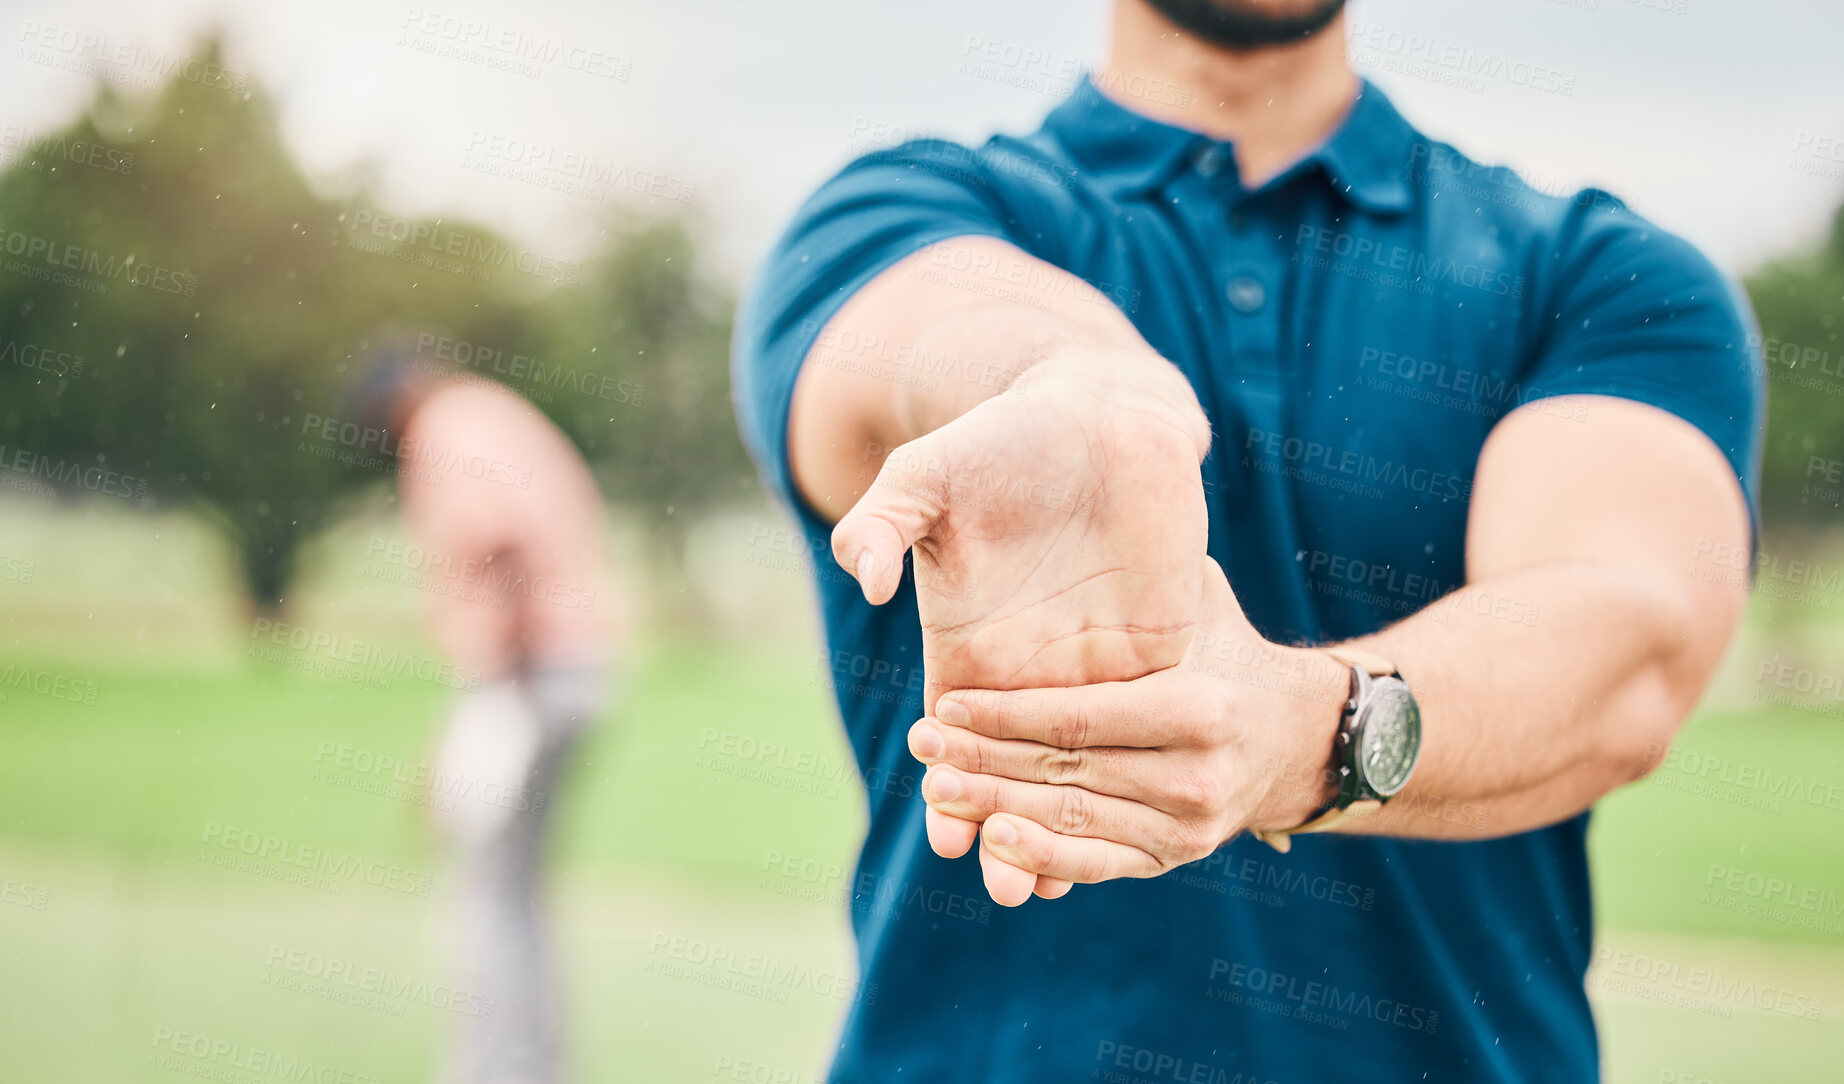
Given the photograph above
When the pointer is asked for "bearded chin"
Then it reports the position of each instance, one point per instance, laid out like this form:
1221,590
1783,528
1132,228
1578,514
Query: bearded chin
1247,24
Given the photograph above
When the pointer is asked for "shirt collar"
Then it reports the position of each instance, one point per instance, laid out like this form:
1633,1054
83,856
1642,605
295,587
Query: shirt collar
1366,160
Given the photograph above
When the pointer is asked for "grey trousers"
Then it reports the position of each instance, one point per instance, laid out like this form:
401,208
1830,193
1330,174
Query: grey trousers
499,762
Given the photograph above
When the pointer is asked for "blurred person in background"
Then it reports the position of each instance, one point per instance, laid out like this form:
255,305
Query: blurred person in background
1193,446
510,528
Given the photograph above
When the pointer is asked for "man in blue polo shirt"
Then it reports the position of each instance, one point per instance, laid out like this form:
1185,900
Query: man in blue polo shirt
1295,524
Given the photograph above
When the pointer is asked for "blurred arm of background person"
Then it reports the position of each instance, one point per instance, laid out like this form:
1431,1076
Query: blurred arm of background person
511,527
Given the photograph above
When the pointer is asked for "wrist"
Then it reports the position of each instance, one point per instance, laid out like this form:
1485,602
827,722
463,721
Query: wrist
1136,380
1305,775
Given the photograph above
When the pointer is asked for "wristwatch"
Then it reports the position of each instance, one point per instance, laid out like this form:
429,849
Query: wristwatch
1378,743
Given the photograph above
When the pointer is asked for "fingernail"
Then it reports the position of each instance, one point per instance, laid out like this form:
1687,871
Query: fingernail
926,742
943,786
953,713
1001,833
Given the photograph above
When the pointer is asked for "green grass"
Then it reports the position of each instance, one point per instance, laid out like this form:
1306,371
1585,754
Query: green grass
105,810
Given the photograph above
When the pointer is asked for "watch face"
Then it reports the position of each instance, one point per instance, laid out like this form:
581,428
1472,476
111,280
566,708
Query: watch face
1391,738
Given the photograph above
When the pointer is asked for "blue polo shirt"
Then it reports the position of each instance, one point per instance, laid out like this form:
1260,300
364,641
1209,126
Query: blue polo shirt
1354,328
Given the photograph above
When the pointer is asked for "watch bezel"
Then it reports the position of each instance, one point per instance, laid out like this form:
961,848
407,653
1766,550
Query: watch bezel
1370,700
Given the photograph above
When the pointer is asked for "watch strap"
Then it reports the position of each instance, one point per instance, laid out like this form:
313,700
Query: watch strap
1369,662
1281,839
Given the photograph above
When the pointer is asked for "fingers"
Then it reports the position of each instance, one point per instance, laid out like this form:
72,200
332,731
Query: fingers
1008,885
901,507
1022,843
1125,773
1070,811
1140,714
949,837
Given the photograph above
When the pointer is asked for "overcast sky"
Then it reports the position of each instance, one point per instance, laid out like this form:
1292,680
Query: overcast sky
1721,119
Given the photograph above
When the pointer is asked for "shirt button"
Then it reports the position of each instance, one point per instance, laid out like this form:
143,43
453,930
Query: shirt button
1245,294
1208,161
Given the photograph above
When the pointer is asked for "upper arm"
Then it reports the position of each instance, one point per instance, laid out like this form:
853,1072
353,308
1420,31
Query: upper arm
922,342
843,319
1594,480
1638,446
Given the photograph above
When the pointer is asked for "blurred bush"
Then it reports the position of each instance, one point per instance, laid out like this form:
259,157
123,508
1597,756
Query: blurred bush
177,300
1800,302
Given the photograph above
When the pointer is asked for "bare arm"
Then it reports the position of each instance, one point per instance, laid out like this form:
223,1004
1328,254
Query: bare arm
1561,671
923,343
1584,636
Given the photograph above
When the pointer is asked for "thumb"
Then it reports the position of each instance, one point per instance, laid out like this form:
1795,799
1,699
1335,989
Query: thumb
902,506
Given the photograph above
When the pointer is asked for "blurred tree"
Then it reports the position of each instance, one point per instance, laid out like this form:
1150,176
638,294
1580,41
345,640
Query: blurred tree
178,305
1800,302
659,430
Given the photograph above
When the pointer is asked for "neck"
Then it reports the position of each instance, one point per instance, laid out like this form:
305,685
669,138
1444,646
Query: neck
1275,104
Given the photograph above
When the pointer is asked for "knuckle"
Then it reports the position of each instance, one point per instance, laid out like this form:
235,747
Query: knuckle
1188,843
1199,791
1075,813
1065,767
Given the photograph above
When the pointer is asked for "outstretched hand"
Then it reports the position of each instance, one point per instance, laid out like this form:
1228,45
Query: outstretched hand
1059,535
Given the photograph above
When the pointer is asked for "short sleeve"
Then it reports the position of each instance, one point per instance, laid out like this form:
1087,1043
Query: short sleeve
1639,313
877,211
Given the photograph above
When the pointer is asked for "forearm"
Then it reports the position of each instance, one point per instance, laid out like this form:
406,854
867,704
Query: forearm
1540,691
912,351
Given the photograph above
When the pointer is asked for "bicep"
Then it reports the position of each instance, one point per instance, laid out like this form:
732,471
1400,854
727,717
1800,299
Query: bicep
1600,481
